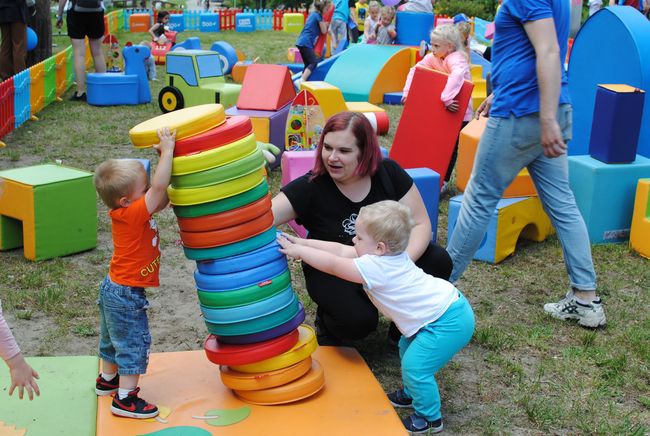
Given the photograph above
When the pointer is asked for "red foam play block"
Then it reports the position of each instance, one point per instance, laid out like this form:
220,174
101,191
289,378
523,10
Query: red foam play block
266,88
427,131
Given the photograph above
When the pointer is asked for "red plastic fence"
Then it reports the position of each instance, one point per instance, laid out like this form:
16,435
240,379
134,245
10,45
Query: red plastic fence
7,117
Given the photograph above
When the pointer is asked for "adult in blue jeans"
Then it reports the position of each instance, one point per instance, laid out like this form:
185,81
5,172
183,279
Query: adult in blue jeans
529,126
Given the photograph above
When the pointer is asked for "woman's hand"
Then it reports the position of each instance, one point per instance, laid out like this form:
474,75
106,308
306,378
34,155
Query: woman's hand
22,377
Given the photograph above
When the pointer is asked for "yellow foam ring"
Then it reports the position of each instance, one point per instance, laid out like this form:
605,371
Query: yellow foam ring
304,387
206,194
265,380
214,158
306,345
187,122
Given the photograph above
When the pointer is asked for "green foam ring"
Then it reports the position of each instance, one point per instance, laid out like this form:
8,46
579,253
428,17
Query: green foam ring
256,325
247,295
224,205
240,247
224,173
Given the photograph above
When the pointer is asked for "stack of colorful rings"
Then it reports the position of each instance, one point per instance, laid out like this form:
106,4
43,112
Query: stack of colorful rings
222,202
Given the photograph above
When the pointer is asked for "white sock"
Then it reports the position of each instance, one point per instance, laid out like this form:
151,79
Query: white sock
123,393
108,376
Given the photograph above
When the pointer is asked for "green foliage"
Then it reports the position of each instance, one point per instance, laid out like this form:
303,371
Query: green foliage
472,8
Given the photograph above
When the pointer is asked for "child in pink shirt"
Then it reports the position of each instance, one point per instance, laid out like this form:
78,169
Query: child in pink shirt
447,55
22,375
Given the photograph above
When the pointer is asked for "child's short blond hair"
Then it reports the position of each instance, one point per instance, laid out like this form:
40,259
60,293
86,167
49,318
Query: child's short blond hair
388,11
389,222
373,4
116,178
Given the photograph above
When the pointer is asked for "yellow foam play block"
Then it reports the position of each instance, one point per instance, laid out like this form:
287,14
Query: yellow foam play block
476,71
329,97
351,403
640,230
261,128
362,106
521,186
187,122
526,219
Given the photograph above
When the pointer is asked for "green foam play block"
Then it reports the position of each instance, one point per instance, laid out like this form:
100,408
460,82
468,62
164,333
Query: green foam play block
67,405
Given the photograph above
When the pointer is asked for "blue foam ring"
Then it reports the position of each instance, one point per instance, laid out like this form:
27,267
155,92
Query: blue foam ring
250,311
242,262
256,325
239,279
229,250
266,335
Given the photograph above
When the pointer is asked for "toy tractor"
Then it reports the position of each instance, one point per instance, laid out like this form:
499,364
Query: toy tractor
195,77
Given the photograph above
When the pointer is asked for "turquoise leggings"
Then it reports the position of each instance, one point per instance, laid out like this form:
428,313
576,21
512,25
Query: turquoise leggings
424,353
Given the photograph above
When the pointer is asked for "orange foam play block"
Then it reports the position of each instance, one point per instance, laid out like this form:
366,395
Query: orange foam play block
266,88
427,131
521,186
352,401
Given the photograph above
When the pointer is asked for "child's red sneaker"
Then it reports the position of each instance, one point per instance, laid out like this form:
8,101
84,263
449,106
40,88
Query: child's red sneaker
133,407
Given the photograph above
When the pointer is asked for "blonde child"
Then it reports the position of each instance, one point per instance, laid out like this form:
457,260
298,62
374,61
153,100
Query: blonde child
435,319
385,32
449,56
371,22
22,375
124,338
313,28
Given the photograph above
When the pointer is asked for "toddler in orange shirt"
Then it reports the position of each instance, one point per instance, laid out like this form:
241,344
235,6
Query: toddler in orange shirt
124,339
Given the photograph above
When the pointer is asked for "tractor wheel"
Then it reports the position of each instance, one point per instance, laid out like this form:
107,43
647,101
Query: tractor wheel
170,99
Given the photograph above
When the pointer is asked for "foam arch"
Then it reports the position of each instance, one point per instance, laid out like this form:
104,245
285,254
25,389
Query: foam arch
622,57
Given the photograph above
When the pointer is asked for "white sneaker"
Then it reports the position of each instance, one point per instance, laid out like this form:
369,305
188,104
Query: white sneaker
590,315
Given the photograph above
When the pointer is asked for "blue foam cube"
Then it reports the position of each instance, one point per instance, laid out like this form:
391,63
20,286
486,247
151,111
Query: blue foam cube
617,123
428,183
393,98
605,195
245,22
413,27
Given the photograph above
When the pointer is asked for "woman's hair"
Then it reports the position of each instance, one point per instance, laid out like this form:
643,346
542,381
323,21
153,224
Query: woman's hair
161,16
388,10
369,156
116,178
448,33
319,5
389,222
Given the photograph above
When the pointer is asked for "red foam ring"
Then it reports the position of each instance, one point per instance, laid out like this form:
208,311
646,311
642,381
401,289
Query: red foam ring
217,238
233,129
228,354
226,219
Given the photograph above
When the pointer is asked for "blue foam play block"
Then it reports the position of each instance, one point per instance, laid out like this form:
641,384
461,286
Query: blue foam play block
393,97
487,250
605,195
413,27
107,89
209,22
428,183
616,126
176,22
295,68
245,22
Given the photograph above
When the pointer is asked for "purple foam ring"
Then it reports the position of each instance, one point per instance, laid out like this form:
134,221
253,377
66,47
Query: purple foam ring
280,330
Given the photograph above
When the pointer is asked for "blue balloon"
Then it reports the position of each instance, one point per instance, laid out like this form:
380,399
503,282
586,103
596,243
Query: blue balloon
32,39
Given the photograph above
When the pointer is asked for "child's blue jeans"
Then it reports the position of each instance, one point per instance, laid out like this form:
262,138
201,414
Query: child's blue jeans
124,337
424,353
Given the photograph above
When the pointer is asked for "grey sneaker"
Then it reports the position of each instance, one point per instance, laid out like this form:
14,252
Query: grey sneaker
588,315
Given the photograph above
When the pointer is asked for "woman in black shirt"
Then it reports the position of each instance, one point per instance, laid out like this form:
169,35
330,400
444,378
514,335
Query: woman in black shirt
349,175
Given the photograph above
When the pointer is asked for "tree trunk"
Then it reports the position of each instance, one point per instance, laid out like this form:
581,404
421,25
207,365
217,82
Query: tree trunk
41,23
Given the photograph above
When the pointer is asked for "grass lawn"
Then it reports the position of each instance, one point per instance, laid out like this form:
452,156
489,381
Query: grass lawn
523,373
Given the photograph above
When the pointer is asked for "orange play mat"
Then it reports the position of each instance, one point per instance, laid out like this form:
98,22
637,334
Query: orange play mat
352,401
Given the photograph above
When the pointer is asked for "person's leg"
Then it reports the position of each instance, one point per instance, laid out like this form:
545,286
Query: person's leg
98,55
6,63
430,350
150,68
79,58
500,156
105,385
19,46
344,308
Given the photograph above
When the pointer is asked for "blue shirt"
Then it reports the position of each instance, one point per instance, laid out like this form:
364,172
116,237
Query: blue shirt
341,11
514,76
311,31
